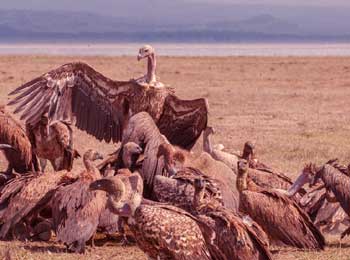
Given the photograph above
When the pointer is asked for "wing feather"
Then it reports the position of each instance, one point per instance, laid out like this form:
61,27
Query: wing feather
77,90
183,121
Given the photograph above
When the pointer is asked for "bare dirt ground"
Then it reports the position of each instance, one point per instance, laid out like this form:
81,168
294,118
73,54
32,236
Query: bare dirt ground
294,109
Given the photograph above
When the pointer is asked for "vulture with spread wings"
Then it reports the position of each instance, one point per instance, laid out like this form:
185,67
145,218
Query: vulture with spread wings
101,106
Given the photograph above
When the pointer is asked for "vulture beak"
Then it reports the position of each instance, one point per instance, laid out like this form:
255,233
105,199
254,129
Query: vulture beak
139,57
97,185
7,146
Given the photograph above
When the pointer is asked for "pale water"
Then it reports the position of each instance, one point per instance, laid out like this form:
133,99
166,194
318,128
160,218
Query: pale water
180,49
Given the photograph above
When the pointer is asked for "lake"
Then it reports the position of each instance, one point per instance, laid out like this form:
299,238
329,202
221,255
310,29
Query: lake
179,49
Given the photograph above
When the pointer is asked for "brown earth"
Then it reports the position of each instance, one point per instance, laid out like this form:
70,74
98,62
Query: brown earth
294,109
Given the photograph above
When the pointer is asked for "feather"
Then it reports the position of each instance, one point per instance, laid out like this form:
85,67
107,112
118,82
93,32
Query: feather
86,91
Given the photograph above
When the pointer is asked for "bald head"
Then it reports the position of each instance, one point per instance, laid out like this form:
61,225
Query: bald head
131,152
92,155
145,51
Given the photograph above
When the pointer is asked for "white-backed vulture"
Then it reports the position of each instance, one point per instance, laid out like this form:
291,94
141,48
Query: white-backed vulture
161,231
16,145
76,210
103,106
53,142
335,181
280,217
26,196
228,236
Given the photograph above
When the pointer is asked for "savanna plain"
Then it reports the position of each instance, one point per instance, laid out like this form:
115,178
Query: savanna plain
295,109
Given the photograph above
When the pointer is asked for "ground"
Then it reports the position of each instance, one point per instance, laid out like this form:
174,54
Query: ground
293,108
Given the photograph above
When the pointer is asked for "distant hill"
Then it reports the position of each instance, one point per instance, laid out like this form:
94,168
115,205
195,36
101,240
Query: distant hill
64,25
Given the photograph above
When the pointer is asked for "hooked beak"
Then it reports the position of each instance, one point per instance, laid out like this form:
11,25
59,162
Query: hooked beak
7,146
96,185
139,57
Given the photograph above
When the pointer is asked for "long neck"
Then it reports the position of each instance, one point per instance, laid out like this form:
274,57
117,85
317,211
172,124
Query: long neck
207,145
151,68
247,154
91,168
241,181
198,198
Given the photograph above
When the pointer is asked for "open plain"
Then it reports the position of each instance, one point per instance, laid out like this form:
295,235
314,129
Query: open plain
295,109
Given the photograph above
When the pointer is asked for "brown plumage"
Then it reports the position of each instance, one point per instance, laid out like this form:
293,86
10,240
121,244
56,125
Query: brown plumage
76,209
262,175
124,159
19,152
142,130
175,159
228,236
27,196
179,189
102,106
53,142
280,217
161,231
334,180
325,211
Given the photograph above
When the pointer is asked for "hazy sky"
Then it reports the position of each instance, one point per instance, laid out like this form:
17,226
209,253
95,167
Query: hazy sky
102,6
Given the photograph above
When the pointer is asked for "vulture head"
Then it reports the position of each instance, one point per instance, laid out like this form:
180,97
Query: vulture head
122,201
148,52
308,175
241,181
92,155
131,152
173,159
145,52
248,150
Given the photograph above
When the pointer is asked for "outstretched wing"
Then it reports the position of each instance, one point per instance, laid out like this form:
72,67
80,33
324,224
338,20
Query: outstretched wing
102,106
183,121
99,104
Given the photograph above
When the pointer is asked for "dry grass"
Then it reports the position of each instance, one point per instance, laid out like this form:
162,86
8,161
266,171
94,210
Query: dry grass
294,109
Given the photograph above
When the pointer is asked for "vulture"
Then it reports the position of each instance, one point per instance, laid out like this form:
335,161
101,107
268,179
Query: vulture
110,223
75,92
261,174
76,209
53,142
142,130
24,198
228,236
335,181
16,145
179,189
161,231
280,217
176,159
